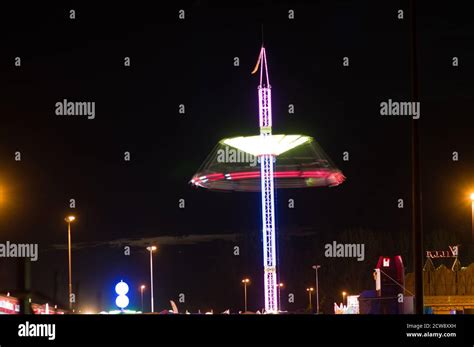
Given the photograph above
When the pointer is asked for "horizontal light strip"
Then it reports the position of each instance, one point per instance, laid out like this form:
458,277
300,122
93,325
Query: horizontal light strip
337,176
270,144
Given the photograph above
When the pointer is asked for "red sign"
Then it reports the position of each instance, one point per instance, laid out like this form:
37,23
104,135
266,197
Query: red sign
45,309
9,305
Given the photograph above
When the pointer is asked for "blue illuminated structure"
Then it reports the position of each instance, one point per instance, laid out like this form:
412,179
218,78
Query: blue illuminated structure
122,300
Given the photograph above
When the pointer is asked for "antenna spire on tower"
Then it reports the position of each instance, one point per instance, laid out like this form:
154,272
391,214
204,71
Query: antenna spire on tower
262,59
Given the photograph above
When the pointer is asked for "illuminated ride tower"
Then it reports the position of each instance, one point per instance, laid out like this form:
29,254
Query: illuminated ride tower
301,164
267,159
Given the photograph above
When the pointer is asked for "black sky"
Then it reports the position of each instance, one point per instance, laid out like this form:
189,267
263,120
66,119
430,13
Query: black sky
190,62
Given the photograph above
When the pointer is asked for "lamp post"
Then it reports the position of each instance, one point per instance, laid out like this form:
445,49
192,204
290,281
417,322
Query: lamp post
151,249
69,220
343,297
142,288
472,217
316,267
245,281
310,291
279,286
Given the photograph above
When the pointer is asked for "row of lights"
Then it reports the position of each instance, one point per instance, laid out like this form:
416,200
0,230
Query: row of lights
310,290
245,281
280,285
151,249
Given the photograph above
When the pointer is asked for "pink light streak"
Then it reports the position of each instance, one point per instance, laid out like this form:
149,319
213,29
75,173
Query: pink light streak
337,176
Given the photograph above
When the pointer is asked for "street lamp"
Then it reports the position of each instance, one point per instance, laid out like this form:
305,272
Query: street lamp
279,285
151,249
245,281
69,220
343,297
142,288
472,217
2,195
310,291
316,267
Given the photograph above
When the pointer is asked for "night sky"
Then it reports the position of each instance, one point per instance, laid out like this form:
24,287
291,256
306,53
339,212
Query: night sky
191,62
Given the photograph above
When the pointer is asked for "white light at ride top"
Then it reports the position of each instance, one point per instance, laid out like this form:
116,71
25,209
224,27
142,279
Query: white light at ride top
271,144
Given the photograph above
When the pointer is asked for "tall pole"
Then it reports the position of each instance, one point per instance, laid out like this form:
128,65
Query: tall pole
310,290
151,280
472,217
245,296
279,296
417,227
245,281
267,187
70,264
316,267
141,292
151,249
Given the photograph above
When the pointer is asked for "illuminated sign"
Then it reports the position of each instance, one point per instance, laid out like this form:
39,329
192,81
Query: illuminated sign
453,252
9,305
45,309
122,300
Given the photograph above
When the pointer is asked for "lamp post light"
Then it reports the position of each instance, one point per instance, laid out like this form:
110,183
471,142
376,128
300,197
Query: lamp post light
310,291
279,286
472,216
142,288
343,297
245,281
151,249
316,267
69,220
